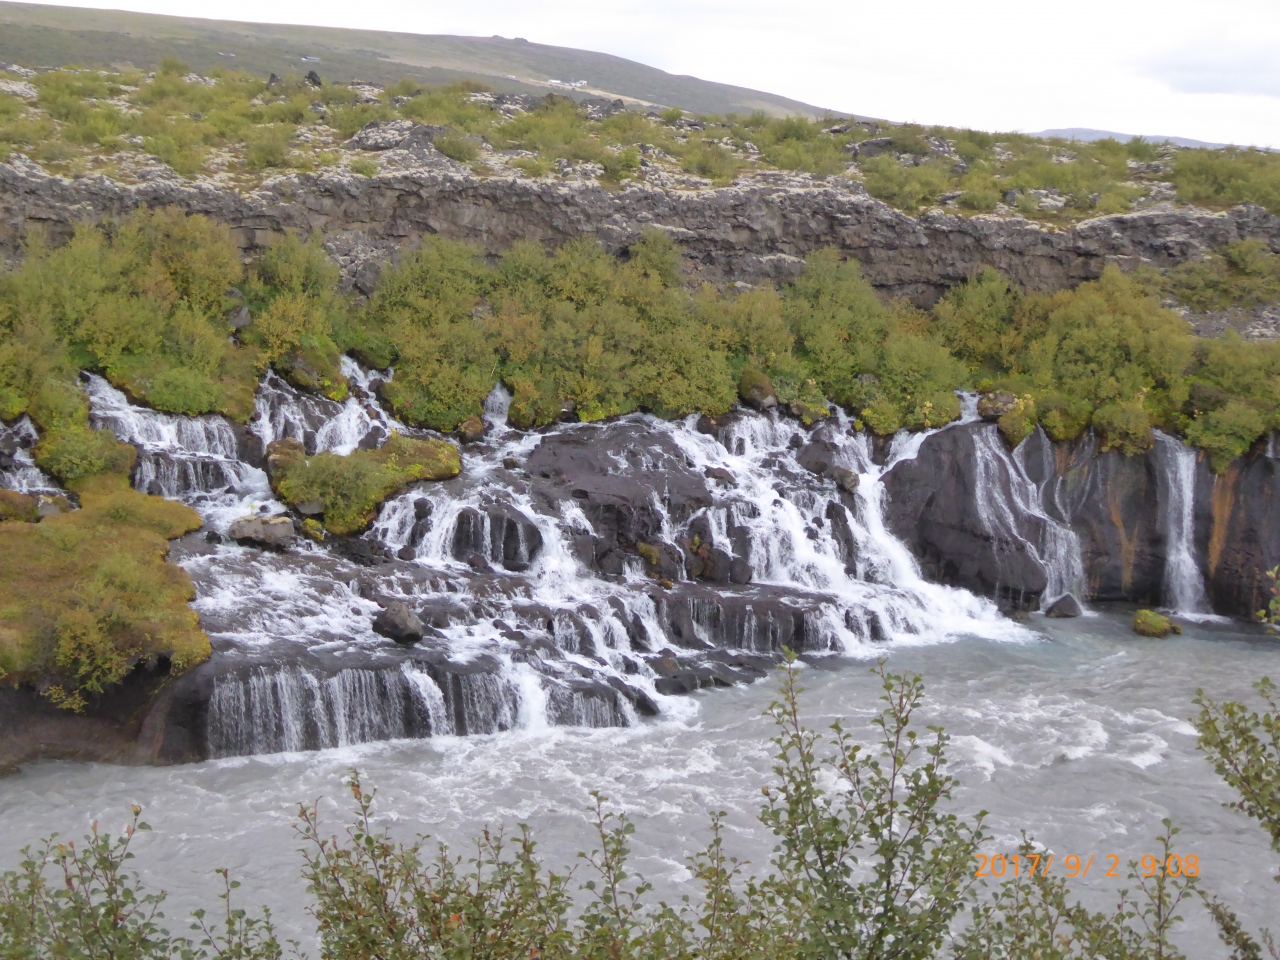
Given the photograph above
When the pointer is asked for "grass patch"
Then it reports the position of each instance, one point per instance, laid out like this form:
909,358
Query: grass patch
351,488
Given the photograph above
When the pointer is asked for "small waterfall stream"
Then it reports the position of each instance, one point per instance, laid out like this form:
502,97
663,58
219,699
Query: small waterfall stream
1183,586
1014,509
17,468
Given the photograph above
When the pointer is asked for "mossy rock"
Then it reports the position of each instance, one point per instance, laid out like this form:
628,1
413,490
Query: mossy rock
316,370
1148,623
649,552
756,390
351,488
808,412
18,506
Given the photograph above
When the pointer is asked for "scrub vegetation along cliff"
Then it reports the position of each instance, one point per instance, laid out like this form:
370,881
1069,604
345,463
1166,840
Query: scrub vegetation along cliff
236,129
161,305
576,332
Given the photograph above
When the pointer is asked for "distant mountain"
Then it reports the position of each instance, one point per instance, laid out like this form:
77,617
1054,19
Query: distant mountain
38,35
1084,133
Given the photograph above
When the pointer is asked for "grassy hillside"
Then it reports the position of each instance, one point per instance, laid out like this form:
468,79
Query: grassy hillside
56,36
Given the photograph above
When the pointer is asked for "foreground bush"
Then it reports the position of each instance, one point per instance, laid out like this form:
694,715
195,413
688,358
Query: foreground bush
870,864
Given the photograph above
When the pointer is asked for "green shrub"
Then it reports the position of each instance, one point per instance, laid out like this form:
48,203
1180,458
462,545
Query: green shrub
709,160
1124,426
1227,433
1063,417
457,147
364,167
183,390
1245,274
268,146
905,187
71,452
975,320
1228,176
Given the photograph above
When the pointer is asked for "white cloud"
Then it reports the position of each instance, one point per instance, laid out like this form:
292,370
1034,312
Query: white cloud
1253,70
1137,66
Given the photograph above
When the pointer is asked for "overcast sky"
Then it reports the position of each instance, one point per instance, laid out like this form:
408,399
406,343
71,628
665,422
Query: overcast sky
1208,70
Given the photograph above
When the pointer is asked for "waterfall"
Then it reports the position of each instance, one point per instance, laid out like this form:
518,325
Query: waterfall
1183,586
1009,503
542,611
192,459
18,470
281,412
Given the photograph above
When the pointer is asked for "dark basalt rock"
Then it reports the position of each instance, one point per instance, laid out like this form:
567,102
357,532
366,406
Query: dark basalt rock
397,622
1115,504
1238,528
1065,607
932,506
614,474
511,539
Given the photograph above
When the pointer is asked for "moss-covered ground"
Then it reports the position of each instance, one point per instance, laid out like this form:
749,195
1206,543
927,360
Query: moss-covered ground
86,595
349,489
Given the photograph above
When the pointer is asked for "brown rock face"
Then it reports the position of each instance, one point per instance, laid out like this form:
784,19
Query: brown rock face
1243,532
1117,506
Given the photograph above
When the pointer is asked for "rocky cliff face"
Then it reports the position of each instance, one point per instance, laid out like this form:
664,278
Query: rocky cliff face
1008,523
759,228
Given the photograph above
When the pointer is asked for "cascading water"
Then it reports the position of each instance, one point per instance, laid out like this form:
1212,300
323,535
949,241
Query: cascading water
585,575
1183,587
193,459
18,470
1013,511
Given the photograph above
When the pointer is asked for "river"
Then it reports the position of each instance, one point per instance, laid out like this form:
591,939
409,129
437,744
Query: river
1076,732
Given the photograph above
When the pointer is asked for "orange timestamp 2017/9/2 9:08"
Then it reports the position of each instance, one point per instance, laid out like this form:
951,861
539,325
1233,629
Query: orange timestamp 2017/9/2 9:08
1073,865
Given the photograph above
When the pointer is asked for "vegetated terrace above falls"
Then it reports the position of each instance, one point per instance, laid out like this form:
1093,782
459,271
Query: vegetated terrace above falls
758,228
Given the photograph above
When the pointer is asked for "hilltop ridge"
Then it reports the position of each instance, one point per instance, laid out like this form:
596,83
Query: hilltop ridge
55,36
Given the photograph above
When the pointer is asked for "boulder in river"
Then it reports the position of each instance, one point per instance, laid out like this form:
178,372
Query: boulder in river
1148,623
397,622
275,532
471,429
1065,607
845,479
